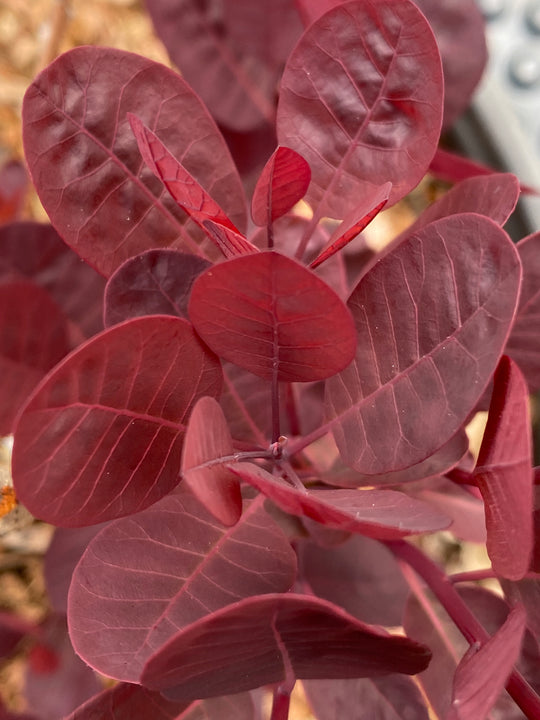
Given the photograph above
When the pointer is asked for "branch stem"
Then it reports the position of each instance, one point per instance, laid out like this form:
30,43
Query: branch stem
441,585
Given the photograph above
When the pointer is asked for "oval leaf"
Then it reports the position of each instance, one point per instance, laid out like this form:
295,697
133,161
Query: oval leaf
270,315
263,640
427,345
157,282
283,182
380,514
102,435
504,474
143,578
208,439
361,101
84,161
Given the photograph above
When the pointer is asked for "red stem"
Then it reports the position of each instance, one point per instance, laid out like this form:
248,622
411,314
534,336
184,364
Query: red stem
441,585
281,702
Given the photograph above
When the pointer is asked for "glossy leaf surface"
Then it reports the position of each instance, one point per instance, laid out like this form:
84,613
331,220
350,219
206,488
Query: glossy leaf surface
269,314
382,514
78,146
504,474
144,578
427,344
157,282
207,439
101,437
361,101
283,182
262,640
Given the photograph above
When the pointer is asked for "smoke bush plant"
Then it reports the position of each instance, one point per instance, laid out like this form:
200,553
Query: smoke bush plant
236,461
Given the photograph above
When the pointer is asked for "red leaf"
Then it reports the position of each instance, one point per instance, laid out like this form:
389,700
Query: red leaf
524,342
230,242
283,182
482,673
426,345
355,222
157,282
361,101
261,640
504,474
142,578
101,436
207,439
380,514
231,54
33,338
269,314
84,162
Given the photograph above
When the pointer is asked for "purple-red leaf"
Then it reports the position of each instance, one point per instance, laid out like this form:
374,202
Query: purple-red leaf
33,338
101,437
145,577
432,318
272,316
263,640
355,222
504,474
361,101
524,342
208,439
482,673
229,241
392,697
380,514
157,282
84,162
283,182
231,53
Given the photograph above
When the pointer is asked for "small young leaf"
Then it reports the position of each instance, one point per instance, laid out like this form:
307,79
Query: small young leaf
283,182
207,439
504,474
270,315
258,641
101,436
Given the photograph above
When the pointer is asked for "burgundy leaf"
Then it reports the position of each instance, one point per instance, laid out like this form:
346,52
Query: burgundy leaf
13,188
283,182
523,344
355,222
101,436
145,577
504,474
37,252
57,681
450,167
230,242
361,101
13,629
482,673
427,344
492,195
63,554
207,439
262,640
360,575
84,162
460,31
133,702
245,401
157,282
231,53
379,514
270,315
393,697
33,338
